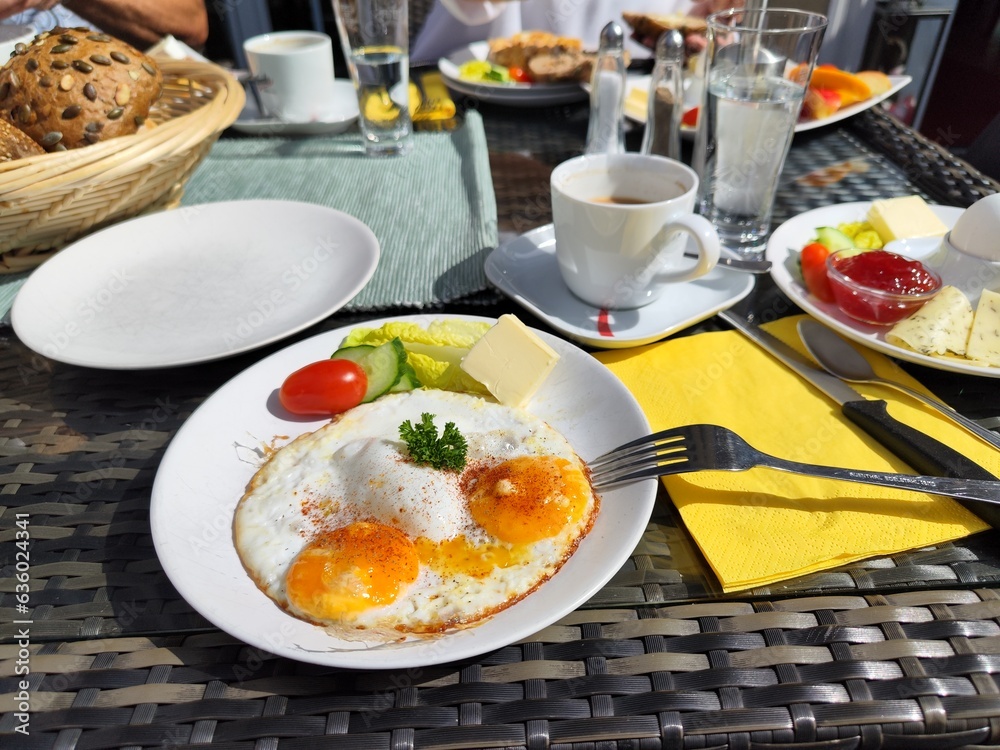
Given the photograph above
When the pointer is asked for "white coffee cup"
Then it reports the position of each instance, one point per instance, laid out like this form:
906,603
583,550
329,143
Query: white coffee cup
11,36
294,73
622,223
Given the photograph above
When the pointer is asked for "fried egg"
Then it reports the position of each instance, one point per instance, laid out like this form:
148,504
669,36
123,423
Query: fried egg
342,529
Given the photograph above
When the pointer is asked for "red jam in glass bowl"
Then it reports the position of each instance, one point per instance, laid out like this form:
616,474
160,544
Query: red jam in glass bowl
879,287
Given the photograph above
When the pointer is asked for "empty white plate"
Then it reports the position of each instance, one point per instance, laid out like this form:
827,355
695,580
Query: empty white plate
194,284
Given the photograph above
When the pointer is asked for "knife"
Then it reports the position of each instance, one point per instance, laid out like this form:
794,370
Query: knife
919,450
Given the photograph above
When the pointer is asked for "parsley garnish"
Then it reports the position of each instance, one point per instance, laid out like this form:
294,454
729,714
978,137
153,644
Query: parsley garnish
445,452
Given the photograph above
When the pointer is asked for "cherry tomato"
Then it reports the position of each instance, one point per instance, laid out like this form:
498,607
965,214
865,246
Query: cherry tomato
329,386
690,118
520,75
813,259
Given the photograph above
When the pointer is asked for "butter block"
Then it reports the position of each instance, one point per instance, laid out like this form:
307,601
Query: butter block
907,217
984,339
939,327
511,361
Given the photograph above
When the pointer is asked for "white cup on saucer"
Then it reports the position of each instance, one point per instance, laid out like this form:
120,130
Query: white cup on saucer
622,223
294,74
11,36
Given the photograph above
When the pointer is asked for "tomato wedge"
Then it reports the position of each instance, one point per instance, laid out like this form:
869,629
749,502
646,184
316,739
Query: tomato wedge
813,259
519,74
329,386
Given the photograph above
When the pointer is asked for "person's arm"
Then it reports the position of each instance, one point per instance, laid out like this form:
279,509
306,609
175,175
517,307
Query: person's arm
474,12
142,23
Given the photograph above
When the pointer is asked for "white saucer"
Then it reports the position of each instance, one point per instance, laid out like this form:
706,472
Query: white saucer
340,118
525,269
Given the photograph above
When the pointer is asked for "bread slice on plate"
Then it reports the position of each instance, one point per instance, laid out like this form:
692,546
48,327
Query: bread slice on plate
651,25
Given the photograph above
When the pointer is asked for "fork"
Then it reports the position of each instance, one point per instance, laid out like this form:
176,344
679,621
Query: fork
705,447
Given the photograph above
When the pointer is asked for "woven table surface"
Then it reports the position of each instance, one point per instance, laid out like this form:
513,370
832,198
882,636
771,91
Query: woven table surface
898,651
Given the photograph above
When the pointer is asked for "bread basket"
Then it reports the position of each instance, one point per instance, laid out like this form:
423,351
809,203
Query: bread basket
47,201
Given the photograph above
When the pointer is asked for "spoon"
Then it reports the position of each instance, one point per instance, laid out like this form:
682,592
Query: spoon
841,359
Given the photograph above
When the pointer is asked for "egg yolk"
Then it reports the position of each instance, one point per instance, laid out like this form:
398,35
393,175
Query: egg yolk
460,556
529,498
351,569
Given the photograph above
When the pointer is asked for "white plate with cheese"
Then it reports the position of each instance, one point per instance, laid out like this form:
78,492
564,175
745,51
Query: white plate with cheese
783,249
205,471
637,96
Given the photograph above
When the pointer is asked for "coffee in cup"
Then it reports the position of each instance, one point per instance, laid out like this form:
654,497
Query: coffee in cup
622,223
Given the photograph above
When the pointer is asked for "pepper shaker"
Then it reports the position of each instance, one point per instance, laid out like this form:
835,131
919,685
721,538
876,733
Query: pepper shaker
666,98
606,130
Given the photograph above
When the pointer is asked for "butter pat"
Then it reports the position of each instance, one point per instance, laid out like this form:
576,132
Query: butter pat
908,217
984,340
511,361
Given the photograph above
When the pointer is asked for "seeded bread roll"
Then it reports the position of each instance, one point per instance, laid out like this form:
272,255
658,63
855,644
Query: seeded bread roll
14,144
73,87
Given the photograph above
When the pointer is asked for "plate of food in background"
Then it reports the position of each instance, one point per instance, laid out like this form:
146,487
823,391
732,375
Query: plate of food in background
528,69
841,95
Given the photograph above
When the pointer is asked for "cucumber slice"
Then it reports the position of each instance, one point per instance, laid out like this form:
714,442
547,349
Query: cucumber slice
384,365
833,239
408,380
354,353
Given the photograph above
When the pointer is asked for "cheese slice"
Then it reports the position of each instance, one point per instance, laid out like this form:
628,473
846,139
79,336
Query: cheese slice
984,339
511,361
906,217
939,327
637,103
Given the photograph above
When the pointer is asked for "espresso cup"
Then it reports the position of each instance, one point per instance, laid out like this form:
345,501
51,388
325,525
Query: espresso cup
622,223
293,71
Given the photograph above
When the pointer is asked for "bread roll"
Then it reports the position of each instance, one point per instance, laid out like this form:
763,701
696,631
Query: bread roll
16,145
74,87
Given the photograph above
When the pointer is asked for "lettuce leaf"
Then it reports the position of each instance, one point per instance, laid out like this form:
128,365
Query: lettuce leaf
435,352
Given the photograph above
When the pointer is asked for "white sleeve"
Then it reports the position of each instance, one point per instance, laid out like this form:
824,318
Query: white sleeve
474,12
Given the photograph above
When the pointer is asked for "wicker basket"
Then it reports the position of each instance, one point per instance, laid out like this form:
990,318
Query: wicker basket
47,201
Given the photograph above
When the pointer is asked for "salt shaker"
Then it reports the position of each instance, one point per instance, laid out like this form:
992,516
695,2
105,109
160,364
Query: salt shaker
666,98
606,131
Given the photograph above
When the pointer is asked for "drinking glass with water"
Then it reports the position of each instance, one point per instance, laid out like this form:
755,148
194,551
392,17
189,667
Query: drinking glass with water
757,68
374,36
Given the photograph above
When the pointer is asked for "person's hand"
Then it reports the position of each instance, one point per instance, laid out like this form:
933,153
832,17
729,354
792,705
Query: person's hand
705,8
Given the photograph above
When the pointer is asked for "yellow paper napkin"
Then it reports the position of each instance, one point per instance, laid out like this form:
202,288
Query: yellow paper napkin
761,526
435,103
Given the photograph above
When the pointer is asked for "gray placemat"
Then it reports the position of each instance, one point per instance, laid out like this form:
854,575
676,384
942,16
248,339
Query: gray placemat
433,210
9,286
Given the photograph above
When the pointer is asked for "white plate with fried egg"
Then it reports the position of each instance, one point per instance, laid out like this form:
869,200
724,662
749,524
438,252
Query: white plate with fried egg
787,241
221,447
